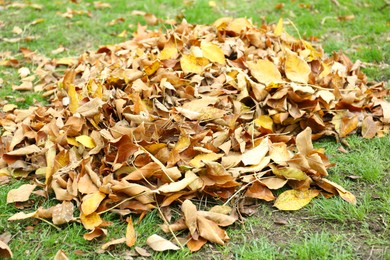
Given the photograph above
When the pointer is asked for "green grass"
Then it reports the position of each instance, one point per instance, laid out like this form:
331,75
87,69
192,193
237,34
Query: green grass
325,229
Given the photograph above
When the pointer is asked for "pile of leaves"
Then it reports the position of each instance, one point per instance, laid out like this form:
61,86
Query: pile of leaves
227,111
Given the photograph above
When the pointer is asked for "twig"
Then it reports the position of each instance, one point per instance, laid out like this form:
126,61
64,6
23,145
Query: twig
167,223
120,203
51,224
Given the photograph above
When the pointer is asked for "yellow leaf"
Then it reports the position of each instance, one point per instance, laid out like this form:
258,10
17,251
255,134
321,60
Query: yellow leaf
212,52
296,68
279,28
199,160
86,141
9,107
91,202
189,178
169,52
91,221
289,173
74,99
149,70
191,64
72,141
295,199
265,71
265,122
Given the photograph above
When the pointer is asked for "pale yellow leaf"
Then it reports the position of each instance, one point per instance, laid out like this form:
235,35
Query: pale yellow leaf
265,71
159,244
9,107
74,98
212,52
20,194
296,68
179,185
264,121
200,159
255,155
190,213
295,199
279,28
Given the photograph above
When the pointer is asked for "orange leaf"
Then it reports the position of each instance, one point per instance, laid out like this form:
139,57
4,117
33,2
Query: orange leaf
130,233
91,202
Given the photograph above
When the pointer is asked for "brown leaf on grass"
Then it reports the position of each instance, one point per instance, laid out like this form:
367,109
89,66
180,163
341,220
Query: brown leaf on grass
210,231
63,213
20,194
5,251
369,127
60,255
259,191
113,242
190,216
95,233
160,244
142,252
196,245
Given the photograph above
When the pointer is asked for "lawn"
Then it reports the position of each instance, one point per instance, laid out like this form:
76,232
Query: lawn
325,229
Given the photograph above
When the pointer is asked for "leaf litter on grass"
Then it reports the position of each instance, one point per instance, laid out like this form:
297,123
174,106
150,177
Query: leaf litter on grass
227,111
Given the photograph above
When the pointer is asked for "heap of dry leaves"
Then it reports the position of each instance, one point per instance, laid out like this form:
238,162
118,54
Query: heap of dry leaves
227,111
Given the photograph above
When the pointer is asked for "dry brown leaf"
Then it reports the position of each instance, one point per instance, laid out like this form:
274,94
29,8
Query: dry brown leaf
60,255
20,194
5,251
190,216
95,233
160,244
196,245
113,242
210,231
